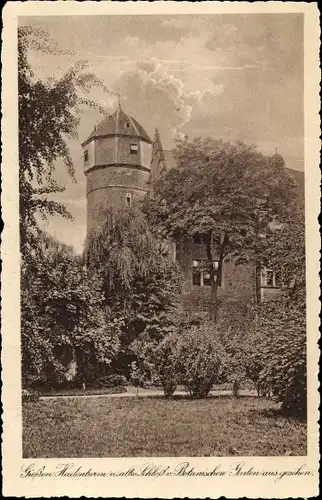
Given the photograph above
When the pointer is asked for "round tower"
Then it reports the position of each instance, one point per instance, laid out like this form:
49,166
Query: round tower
117,157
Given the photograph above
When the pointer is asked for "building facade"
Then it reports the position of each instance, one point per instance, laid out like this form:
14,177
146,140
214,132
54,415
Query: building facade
121,163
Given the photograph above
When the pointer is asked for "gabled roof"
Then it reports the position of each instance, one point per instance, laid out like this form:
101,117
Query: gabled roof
119,124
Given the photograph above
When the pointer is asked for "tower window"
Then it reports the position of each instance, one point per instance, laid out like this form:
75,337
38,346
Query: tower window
134,148
129,199
85,156
127,125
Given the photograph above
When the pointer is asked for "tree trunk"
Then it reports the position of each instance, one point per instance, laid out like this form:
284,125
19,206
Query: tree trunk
215,301
258,389
213,310
213,293
236,387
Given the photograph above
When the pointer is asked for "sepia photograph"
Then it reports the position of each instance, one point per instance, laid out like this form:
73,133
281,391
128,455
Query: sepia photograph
162,237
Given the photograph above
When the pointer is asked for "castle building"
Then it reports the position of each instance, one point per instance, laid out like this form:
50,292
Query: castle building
121,163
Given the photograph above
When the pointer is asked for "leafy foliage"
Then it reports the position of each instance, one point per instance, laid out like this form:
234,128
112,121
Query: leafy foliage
284,251
229,192
63,318
110,381
165,360
140,282
202,358
63,326
49,114
167,363
283,331
237,331
280,334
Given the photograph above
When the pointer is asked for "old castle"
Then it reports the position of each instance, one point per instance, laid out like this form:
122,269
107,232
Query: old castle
120,164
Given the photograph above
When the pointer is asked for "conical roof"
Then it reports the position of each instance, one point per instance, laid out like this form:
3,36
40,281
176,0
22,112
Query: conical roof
119,124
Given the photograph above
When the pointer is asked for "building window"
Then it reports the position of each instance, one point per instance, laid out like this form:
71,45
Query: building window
85,156
201,273
129,199
200,238
134,148
270,278
127,125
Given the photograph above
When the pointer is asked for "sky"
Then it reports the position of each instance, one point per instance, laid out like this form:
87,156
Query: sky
228,76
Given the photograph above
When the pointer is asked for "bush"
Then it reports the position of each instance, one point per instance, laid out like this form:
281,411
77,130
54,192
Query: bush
67,335
29,396
167,363
283,328
110,381
202,357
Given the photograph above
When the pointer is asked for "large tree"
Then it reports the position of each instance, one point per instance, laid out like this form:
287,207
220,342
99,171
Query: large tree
280,334
63,317
59,301
49,114
228,192
141,284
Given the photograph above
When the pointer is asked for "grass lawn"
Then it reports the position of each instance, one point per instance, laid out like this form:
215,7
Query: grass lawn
120,427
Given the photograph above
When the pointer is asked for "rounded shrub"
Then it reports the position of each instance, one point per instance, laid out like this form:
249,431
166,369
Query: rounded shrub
167,363
202,357
109,381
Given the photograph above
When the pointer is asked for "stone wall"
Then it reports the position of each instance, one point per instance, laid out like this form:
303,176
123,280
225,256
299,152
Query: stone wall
110,150
109,186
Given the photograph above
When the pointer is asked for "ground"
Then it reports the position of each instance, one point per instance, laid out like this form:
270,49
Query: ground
151,426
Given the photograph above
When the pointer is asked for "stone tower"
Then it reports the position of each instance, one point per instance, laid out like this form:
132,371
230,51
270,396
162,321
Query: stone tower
117,157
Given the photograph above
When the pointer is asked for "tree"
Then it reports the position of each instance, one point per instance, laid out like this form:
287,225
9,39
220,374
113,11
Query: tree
281,324
59,312
283,250
283,352
141,284
230,193
63,320
49,114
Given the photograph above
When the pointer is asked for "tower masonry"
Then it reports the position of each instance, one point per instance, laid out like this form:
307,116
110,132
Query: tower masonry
117,157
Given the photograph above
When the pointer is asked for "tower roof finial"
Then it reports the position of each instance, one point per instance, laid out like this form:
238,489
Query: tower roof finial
119,97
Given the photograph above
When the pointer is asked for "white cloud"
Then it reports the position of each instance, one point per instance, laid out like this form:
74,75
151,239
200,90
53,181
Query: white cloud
153,91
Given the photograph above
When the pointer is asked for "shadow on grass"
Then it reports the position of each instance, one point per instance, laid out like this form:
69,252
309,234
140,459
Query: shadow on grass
187,397
276,413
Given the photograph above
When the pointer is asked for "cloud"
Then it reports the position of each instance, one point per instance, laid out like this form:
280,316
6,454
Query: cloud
112,58
149,65
153,91
216,68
